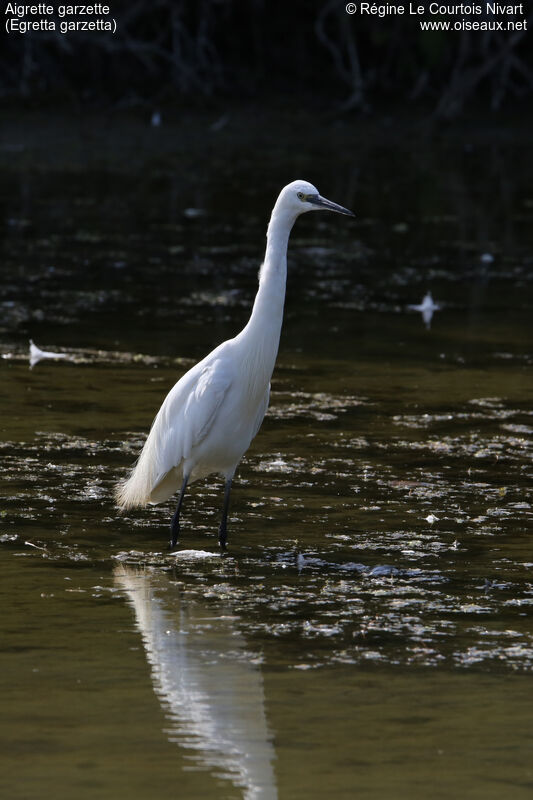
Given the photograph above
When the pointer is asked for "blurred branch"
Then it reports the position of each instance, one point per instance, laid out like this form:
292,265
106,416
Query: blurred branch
465,78
196,49
343,51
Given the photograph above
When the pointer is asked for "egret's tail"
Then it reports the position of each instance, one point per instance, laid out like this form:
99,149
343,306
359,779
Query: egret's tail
151,480
136,490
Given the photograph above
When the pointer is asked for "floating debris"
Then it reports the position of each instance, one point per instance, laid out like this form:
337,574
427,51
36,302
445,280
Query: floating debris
192,555
219,123
36,546
193,213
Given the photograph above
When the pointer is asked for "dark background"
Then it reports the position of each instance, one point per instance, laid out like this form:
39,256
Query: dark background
213,52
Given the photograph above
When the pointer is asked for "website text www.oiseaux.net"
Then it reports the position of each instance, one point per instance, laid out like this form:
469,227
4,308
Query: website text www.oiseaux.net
452,17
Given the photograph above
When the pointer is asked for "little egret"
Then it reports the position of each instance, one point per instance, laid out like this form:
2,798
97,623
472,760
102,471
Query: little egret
211,415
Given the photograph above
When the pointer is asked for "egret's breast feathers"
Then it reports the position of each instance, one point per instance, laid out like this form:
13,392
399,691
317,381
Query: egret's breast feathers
203,403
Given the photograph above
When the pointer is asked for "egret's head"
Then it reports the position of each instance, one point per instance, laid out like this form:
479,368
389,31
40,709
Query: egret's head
300,196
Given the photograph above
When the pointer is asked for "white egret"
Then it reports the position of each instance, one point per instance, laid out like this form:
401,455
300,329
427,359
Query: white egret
209,418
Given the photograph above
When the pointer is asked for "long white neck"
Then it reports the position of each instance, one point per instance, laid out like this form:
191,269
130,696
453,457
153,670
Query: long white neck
264,326
267,313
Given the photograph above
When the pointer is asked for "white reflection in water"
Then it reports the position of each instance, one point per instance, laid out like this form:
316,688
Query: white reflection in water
427,308
207,680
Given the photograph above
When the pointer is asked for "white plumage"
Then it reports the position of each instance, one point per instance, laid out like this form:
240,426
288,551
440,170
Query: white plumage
209,418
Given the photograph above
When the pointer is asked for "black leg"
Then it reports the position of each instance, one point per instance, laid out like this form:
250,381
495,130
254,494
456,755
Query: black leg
175,524
223,529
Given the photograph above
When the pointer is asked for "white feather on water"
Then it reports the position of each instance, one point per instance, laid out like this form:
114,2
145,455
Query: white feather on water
427,308
36,354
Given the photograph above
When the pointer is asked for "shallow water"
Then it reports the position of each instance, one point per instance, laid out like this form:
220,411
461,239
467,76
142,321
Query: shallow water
369,633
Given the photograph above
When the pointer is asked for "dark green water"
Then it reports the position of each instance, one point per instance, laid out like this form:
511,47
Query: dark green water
369,634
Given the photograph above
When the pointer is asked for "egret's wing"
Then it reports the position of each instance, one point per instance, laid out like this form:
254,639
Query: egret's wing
261,412
203,403
185,418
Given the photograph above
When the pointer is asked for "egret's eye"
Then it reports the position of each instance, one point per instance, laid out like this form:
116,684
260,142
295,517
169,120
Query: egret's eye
300,196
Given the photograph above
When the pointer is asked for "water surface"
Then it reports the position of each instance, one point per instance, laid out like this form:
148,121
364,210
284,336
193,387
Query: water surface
369,633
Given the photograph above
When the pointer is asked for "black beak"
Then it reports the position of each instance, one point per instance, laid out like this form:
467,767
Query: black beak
327,205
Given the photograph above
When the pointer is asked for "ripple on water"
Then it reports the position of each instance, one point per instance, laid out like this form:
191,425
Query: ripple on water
320,406
349,543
